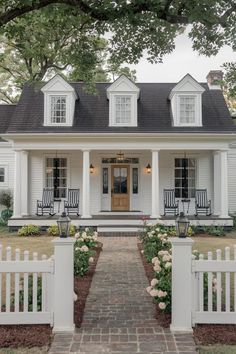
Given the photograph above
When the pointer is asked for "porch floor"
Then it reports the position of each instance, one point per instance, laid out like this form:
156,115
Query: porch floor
120,222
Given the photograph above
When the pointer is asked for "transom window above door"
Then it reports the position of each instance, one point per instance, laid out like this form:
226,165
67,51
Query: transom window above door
185,177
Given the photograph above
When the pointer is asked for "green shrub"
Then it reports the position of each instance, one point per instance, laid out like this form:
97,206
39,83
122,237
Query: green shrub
29,230
81,259
216,230
54,231
87,236
6,214
30,294
6,198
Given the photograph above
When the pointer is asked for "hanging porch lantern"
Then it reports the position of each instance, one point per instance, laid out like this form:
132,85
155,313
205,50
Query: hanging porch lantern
120,156
182,225
63,225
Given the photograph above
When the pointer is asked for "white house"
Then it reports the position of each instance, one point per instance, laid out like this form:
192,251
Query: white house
121,148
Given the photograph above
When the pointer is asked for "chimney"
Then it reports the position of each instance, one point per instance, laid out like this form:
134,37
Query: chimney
214,79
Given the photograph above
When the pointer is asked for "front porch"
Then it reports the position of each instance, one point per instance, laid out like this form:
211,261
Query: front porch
118,192
131,222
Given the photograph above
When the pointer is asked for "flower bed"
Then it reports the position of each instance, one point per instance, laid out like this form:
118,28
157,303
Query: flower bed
86,253
155,250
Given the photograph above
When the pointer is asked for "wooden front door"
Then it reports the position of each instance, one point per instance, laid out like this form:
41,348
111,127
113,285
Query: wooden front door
120,188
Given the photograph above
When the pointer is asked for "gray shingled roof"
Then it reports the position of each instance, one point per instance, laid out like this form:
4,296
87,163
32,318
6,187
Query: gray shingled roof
92,112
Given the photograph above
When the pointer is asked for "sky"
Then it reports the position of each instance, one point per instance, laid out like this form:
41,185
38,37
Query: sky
181,61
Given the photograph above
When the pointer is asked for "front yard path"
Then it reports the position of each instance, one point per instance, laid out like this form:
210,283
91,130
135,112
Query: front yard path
119,314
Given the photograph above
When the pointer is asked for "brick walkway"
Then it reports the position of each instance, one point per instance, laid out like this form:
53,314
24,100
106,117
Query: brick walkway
119,314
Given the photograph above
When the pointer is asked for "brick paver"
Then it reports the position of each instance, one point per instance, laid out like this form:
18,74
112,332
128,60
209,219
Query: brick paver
119,314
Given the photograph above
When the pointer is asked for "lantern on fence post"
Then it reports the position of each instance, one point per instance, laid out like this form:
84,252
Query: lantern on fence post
63,225
182,225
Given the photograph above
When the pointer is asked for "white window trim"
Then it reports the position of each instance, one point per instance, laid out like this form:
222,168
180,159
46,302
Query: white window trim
198,110
189,156
68,182
112,110
5,183
47,109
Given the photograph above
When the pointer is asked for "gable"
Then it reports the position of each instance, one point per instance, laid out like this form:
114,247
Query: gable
187,84
57,84
123,85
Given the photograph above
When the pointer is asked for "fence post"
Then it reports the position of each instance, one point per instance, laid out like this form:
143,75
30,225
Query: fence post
181,284
63,302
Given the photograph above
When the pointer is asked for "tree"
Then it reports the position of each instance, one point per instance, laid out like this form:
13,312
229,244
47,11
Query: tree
144,24
229,85
53,43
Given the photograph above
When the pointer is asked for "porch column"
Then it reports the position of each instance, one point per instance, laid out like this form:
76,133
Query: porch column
24,183
155,185
221,184
17,184
86,186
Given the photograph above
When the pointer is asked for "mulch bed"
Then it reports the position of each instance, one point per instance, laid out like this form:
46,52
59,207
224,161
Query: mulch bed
82,286
204,334
28,336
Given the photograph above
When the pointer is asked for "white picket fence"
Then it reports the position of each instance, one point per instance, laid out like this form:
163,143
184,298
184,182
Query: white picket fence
19,299
203,290
34,291
216,301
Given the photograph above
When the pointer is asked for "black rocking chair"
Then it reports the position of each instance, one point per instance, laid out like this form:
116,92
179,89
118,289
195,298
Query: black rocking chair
202,204
46,205
170,204
72,201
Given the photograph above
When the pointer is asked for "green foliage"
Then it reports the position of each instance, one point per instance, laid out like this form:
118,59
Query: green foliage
86,241
29,230
54,231
69,37
213,230
6,214
87,236
81,261
30,294
6,198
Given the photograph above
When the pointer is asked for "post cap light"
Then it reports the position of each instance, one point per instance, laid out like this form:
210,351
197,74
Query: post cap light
148,168
63,225
182,225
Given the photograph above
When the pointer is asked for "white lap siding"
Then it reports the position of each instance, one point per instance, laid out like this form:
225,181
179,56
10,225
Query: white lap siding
232,179
7,159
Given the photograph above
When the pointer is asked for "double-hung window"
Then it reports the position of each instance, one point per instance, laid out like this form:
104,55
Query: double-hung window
185,177
187,109
3,175
56,175
58,109
122,110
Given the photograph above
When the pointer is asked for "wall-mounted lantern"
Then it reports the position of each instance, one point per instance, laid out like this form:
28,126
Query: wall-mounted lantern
91,168
148,168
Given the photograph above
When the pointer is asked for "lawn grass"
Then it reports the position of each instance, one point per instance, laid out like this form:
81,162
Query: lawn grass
217,349
40,244
212,243
43,350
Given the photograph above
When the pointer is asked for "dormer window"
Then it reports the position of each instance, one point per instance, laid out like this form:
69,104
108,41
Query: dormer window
58,109
123,95
59,102
187,110
186,103
123,109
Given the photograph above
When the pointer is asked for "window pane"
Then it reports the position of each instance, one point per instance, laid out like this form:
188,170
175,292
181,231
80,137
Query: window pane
1,178
58,109
105,180
185,178
56,176
187,109
135,181
123,109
